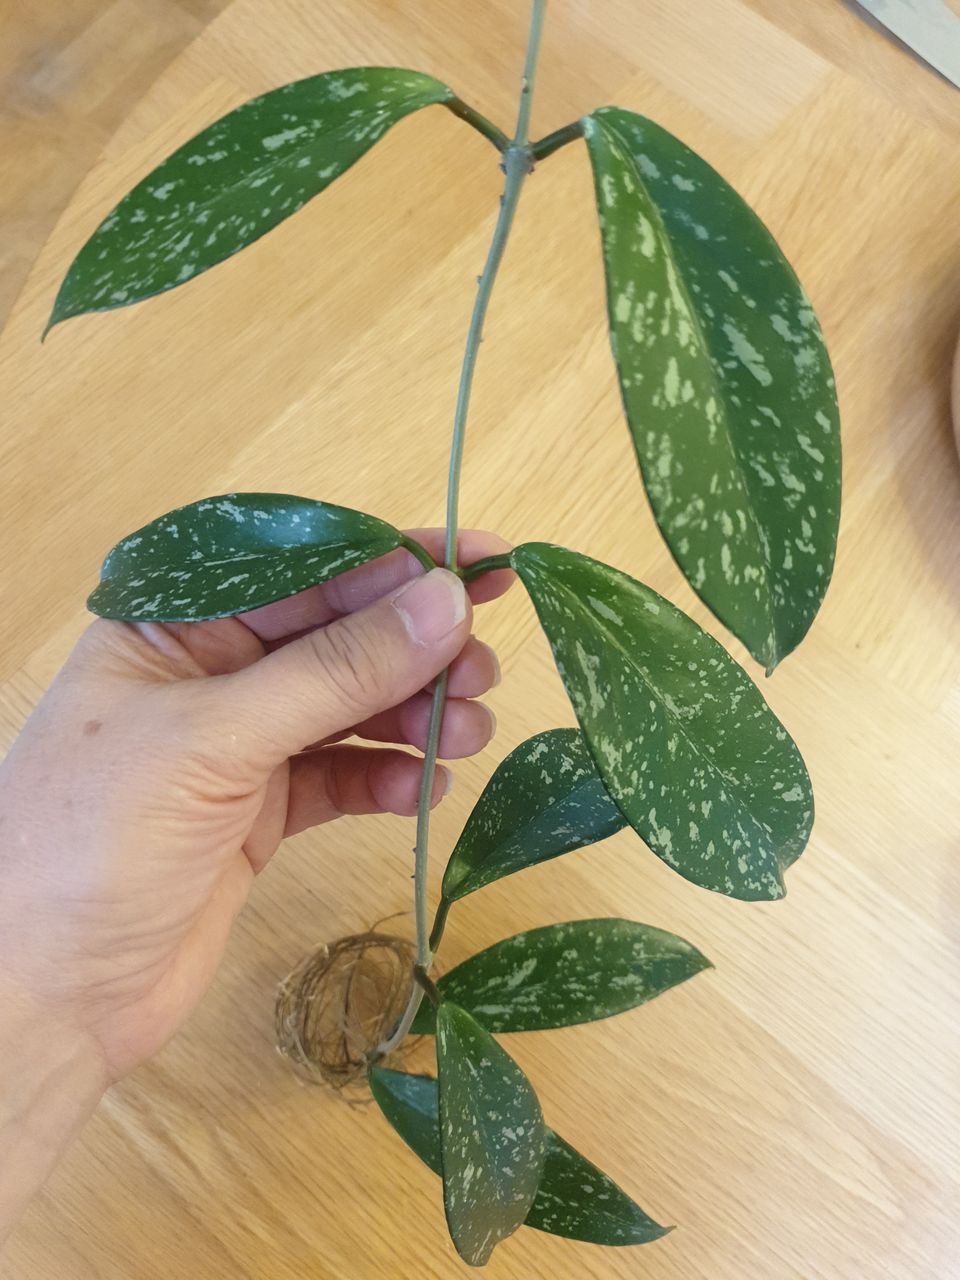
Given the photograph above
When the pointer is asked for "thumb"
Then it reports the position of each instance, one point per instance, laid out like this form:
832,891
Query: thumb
343,673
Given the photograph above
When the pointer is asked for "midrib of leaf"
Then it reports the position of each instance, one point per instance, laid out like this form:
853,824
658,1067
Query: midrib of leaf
719,395
244,558
674,720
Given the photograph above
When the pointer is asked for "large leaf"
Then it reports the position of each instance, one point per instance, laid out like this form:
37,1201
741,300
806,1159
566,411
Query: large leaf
225,555
698,763
726,383
565,974
544,799
574,1199
234,181
492,1136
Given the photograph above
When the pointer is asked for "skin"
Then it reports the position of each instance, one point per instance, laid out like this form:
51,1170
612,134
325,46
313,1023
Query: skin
160,773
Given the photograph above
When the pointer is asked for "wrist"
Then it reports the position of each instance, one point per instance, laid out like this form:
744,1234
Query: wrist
51,1078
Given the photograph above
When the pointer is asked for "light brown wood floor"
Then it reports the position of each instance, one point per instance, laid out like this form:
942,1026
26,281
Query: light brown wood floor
797,1110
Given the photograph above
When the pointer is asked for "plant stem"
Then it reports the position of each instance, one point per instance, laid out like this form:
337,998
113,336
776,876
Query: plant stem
487,565
517,164
439,921
554,141
421,553
479,122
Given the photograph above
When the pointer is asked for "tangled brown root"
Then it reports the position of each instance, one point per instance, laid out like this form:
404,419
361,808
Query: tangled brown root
340,1003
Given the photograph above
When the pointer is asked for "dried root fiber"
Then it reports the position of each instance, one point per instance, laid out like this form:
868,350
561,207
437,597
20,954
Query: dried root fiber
339,1003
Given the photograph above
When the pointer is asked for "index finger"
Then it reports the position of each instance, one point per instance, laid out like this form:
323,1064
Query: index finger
359,587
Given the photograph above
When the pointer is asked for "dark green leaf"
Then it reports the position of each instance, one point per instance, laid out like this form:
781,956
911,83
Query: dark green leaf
544,799
574,1199
564,974
236,180
226,555
492,1136
726,383
698,763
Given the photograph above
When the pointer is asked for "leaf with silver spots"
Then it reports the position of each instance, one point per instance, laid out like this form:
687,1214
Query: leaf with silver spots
492,1136
574,1199
697,762
726,383
565,974
233,553
236,180
546,798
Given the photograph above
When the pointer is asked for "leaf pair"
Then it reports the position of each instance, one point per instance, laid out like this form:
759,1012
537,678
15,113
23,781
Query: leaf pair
726,383
688,751
568,1196
500,1165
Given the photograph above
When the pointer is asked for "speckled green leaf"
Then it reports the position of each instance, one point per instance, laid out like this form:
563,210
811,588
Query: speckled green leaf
698,763
726,383
226,555
544,799
236,180
492,1136
564,974
574,1199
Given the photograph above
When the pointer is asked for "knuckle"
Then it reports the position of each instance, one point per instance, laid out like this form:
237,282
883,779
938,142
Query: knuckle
348,668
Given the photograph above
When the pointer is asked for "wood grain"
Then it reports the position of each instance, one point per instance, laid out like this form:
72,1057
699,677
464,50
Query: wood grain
797,1111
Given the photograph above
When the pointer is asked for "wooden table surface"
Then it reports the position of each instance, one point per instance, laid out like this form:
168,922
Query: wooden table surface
797,1111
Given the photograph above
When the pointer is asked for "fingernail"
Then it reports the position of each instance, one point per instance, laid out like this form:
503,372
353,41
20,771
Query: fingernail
497,673
447,779
432,606
493,719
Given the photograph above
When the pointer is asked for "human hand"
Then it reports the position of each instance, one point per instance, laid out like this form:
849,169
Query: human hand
165,764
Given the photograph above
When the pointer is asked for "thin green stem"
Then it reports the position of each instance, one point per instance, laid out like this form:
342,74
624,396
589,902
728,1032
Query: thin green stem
439,923
487,565
529,73
418,550
516,165
424,955
551,142
429,987
482,125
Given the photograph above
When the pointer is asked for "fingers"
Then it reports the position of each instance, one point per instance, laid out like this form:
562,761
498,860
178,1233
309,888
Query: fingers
343,674
369,582
474,671
467,726
353,780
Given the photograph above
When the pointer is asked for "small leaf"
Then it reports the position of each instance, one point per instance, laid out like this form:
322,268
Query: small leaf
233,553
544,799
564,974
492,1136
726,383
697,762
410,1104
574,1199
236,180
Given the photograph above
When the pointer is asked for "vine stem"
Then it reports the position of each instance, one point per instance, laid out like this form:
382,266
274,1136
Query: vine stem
517,163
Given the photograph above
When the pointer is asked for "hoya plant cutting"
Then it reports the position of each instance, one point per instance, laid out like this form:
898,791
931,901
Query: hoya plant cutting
730,402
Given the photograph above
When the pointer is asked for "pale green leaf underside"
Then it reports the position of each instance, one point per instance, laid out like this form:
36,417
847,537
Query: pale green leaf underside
574,1199
232,553
687,747
726,383
565,974
546,798
236,180
492,1136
